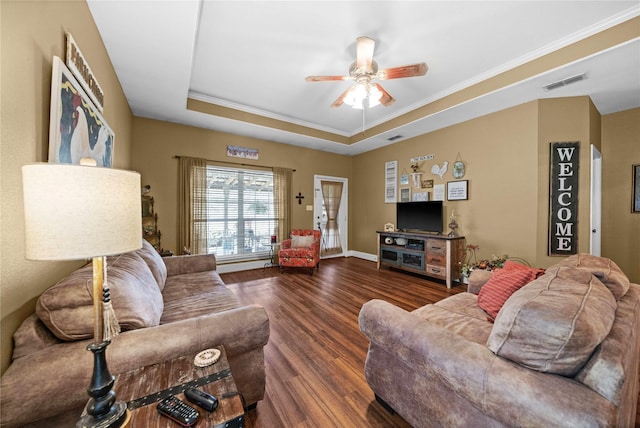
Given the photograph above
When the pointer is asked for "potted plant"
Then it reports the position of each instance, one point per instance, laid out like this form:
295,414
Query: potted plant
472,263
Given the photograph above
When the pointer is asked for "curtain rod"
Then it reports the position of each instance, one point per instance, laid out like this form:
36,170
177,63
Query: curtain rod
234,163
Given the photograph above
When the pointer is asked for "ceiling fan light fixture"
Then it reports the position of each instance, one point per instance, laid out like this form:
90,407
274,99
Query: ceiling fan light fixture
356,96
363,70
374,96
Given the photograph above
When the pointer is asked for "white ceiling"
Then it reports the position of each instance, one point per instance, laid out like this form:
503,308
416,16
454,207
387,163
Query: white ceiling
254,56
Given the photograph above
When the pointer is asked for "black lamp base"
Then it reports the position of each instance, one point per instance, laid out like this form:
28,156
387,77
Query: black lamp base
115,418
102,410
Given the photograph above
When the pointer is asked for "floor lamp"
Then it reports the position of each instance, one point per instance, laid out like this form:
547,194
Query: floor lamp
75,212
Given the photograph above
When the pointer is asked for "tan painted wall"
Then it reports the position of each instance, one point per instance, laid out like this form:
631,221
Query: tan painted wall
500,154
156,144
620,227
32,33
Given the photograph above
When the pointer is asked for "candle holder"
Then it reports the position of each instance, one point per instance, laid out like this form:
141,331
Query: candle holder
453,225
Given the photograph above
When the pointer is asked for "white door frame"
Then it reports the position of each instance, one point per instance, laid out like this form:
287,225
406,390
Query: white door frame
343,211
595,214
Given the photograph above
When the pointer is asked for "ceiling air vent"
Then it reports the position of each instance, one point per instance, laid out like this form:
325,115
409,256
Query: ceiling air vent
565,82
395,137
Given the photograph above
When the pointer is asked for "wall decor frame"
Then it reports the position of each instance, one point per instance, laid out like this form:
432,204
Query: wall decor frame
81,70
635,202
564,167
390,182
405,194
427,184
458,190
420,196
76,128
404,178
242,152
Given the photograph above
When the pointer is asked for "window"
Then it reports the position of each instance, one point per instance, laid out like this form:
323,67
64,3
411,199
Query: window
239,212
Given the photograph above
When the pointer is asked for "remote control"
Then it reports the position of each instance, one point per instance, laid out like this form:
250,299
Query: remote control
201,398
178,411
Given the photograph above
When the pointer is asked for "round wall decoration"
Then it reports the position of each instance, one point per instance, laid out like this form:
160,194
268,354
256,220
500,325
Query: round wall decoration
458,168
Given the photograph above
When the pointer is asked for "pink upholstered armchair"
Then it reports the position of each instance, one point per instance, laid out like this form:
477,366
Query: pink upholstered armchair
301,250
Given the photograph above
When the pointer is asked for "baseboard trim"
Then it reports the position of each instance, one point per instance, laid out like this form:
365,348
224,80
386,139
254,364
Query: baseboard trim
240,266
256,264
361,255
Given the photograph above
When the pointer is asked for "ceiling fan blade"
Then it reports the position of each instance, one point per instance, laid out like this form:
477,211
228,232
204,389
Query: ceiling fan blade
340,100
386,99
404,71
325,78
364,52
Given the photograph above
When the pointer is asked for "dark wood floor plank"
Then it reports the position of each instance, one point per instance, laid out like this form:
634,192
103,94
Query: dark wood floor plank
315,356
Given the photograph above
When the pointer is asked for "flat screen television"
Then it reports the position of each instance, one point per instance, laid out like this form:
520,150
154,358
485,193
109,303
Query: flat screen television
423,216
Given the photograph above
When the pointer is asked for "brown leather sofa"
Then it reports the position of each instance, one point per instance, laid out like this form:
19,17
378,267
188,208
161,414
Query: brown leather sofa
167,307
563,351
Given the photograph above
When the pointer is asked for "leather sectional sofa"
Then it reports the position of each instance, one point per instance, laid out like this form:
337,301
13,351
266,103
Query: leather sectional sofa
166,307
563,351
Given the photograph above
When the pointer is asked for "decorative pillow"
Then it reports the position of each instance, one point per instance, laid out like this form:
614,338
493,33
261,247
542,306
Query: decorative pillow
67,307
604,269
301,241
511,265
553,324
154,261
502,284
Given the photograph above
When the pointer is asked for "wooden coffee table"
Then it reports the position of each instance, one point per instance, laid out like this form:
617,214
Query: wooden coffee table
143,388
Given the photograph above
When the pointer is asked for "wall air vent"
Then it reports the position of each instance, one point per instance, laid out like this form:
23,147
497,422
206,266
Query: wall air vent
395,137
565,82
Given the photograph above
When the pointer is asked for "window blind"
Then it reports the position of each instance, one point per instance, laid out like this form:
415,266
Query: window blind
239,215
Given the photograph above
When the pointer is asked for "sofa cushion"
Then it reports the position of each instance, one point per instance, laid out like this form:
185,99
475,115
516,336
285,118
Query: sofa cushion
605,269
67,307
195,294
153,259
458,314
302,241
554,323
32,336
502,284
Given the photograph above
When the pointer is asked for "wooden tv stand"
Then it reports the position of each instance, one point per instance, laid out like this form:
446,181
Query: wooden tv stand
436,256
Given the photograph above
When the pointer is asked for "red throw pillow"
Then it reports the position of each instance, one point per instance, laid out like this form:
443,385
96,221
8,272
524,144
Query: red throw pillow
502,284
510,265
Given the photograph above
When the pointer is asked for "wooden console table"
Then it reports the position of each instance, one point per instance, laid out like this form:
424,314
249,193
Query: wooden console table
437,256
143,388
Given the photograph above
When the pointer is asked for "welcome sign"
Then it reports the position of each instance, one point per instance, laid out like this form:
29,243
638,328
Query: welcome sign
563,194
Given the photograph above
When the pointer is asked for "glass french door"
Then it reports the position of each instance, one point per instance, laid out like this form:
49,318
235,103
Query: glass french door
330,213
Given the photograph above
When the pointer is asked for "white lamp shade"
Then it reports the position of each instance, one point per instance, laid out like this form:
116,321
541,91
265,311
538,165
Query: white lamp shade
74,212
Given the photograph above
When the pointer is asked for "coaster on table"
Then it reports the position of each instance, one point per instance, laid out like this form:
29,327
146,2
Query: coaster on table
206,357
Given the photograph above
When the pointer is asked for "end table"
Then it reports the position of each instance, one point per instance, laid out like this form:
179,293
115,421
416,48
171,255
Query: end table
143,388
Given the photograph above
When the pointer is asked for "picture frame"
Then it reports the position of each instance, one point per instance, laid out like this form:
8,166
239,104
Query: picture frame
405,194
390,182
635,200
420,196
458,190
76,128
243,152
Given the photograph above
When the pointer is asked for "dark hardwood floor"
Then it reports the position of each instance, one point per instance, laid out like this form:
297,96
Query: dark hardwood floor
316,352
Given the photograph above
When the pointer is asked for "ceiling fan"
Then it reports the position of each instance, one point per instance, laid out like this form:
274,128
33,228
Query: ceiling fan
363,70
